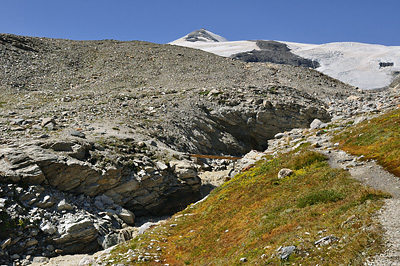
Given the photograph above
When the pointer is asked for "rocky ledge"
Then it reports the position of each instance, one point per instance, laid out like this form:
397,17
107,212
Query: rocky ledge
73,196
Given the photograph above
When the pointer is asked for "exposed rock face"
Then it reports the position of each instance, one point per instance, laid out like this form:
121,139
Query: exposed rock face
191,100
77,236
203,35
245,120
275,52
395,85
144,188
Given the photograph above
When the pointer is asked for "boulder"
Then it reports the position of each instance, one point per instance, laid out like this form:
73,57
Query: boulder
16,165
127,216
284,173
317,124
285,252
46,121
184,169
48,228
46,202
82,231
280,135
64,205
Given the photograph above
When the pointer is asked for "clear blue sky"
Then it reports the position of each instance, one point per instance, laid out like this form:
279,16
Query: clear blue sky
162,21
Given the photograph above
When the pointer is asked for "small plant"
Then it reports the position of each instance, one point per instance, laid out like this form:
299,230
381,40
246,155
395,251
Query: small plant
308,159
204,93
21,223
273,90
321,196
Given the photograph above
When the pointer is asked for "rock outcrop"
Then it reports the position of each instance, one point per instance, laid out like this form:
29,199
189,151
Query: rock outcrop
73,196
143,186
275,52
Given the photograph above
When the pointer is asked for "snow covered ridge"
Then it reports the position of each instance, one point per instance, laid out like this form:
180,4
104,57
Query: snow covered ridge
201,35
366,66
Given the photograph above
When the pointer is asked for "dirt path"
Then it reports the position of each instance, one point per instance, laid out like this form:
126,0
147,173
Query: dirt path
74,260
67,260
375,176
368,173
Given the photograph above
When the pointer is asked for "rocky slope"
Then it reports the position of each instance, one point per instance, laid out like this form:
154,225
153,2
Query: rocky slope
94,134
319,136
145,89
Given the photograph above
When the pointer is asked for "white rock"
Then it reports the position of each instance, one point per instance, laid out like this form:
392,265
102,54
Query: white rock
48,228
40,260
284,173
184,169
87,261
126,215
280,135
63,205
317,124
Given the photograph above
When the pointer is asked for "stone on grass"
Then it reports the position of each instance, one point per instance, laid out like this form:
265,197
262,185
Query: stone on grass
284,173
285,252
325,240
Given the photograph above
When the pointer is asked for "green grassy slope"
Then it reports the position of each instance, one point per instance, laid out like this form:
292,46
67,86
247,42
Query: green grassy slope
255,213
378,139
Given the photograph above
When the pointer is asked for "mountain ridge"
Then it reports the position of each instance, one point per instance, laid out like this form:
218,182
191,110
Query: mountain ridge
357,64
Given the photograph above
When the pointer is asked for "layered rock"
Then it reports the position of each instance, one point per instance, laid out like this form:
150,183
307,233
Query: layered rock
143,187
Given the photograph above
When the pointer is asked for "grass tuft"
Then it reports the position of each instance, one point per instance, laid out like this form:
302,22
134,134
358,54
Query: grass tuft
322,196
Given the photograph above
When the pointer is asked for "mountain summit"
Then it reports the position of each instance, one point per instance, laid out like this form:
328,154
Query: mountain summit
201,35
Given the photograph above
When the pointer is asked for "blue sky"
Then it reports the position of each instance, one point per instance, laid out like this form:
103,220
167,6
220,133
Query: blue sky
162,21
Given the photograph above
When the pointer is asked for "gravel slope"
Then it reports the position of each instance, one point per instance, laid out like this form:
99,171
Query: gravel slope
151,91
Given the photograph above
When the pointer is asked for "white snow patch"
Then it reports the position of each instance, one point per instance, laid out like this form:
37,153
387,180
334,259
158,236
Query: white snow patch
225,49
357,64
